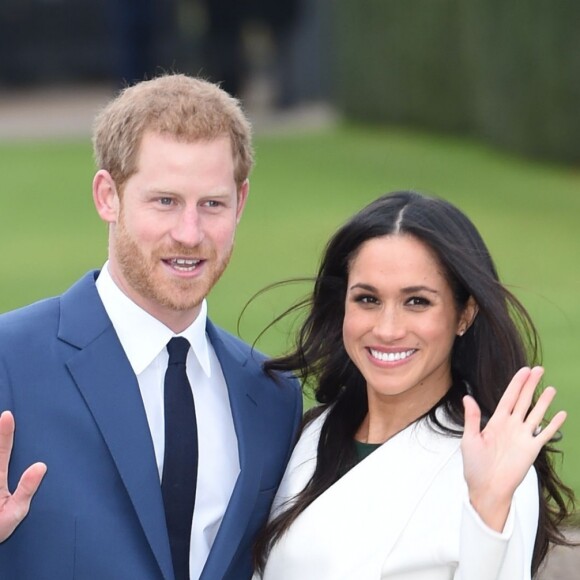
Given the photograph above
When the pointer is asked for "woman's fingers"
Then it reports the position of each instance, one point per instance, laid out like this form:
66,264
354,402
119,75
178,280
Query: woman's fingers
511,395
537,415
539,410
545,434
519,394
514,409
518,397
472,417
527,391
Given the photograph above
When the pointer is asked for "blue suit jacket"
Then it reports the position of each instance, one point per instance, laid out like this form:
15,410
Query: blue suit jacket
99,512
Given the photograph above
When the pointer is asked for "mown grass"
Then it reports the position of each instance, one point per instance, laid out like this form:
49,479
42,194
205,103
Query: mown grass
303,187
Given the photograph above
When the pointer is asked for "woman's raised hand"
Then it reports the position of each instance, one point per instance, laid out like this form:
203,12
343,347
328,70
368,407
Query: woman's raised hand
497,458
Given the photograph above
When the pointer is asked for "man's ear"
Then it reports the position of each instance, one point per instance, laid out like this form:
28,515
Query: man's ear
467,316
105,196
243,192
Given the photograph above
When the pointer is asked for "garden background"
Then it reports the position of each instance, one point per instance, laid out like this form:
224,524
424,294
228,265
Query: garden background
304,186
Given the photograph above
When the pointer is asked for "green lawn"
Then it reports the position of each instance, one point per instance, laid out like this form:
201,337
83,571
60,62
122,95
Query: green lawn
303,187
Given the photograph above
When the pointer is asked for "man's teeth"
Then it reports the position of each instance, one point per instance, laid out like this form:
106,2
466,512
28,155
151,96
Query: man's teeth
391,356
184,265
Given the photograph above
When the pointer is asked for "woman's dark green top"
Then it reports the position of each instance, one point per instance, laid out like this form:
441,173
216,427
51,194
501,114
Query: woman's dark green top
365,449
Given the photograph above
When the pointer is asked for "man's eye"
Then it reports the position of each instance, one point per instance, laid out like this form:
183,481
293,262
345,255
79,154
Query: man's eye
165,200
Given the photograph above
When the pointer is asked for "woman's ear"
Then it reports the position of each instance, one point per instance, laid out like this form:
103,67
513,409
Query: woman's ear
467,316
105,196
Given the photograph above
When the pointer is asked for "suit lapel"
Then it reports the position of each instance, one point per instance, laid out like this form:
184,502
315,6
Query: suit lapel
244,404
109,387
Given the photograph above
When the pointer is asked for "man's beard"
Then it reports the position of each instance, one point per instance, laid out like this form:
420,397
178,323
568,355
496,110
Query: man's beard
144,273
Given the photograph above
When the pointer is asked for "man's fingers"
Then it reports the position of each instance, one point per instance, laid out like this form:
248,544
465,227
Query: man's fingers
15,508
6,423
6,431
29,483
6,440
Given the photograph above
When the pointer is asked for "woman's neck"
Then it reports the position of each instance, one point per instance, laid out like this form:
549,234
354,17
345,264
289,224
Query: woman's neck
387,416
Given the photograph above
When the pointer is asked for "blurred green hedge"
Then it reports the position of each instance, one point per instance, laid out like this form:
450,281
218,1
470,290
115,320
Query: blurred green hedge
505,70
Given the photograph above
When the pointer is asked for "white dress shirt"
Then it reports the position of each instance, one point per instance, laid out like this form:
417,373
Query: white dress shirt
144,339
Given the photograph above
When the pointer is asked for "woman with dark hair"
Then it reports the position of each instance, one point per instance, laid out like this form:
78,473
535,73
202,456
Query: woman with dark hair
428,457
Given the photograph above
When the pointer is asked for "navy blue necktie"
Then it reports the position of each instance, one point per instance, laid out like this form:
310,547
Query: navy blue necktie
179,478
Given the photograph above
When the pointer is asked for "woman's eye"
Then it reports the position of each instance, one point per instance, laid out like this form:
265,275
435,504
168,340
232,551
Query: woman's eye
365,299
418,301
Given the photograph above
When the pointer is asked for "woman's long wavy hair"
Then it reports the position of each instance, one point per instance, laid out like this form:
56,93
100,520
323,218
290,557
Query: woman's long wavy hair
501,339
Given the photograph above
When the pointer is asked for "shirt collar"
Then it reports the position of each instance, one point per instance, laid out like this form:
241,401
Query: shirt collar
142,336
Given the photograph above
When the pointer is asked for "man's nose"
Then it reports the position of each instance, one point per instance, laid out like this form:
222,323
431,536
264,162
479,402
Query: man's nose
188,229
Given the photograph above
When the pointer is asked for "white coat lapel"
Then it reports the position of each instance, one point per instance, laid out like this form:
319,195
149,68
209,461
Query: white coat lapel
350,530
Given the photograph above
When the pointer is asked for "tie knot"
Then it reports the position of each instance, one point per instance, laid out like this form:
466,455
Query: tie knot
177,348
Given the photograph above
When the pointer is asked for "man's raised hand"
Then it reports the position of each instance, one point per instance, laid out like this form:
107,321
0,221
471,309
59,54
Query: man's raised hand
15,506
